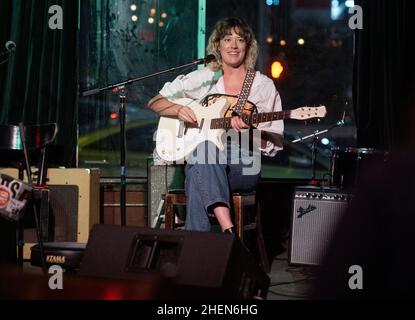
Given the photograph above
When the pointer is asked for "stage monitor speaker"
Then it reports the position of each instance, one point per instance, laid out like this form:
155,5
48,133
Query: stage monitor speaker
74,204
315,217
200,264
160,178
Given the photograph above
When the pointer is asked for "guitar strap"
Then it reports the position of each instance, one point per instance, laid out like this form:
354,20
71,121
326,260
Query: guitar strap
243,96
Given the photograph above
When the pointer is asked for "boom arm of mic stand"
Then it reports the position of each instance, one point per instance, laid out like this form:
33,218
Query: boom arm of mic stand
313,147
317,133
122,97
124,83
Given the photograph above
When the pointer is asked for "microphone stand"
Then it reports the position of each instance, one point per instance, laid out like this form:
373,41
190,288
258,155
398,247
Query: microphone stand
10,48
120,89
6,57
314,135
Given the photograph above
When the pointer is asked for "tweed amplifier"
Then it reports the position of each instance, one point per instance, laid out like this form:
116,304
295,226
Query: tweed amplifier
74,203
315,215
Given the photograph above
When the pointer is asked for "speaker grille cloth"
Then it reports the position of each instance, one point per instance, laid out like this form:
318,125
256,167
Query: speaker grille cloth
64,214
312,232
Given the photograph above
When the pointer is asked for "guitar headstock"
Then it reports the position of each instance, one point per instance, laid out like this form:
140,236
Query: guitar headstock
306,112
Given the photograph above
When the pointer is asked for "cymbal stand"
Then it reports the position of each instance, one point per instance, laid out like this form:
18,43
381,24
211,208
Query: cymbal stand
315,135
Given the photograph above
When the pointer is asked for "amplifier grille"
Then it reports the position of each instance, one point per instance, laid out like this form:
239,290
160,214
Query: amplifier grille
315,217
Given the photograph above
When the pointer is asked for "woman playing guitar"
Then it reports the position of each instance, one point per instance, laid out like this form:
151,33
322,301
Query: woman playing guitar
209,185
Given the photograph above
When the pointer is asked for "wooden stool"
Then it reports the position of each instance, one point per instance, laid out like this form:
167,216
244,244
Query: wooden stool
243,222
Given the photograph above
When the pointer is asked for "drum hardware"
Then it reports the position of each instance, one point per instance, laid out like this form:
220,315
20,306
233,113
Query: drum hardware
315,135
348,163
15,142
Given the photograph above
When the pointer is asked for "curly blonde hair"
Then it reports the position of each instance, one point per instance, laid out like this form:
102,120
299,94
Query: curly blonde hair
222,29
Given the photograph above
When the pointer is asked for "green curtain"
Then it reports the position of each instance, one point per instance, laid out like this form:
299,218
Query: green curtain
39,82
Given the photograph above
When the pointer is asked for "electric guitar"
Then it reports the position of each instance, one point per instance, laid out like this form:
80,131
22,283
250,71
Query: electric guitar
175,140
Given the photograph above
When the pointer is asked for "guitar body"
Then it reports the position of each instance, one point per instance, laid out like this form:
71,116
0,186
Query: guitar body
175,140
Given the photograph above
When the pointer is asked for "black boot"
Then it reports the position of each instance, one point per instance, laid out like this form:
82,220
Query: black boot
230,230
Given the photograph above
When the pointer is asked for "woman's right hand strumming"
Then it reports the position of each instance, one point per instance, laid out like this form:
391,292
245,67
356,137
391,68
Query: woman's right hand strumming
187,115
167,108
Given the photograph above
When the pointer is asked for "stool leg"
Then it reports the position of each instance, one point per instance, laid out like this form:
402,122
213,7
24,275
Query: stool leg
260,241
169,213
239,217
160,215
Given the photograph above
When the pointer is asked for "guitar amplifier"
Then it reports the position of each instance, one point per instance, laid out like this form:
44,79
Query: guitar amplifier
74,205
315,217
161,177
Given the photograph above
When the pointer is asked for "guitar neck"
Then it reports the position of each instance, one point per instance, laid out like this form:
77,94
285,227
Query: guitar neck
225,123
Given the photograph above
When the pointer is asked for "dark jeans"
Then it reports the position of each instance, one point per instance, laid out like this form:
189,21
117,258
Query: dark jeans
209,183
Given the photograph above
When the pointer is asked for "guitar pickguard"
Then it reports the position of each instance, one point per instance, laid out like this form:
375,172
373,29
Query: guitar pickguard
249,107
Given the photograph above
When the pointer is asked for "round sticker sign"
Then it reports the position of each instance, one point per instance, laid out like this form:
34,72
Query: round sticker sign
5,196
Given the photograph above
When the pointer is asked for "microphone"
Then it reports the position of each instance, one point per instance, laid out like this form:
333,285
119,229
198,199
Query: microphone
10,47
206,60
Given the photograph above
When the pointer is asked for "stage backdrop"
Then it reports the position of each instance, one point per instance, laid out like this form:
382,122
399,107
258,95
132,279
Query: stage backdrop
383,71
39,82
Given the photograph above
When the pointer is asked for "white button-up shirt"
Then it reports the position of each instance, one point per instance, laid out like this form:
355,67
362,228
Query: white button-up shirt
201,83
